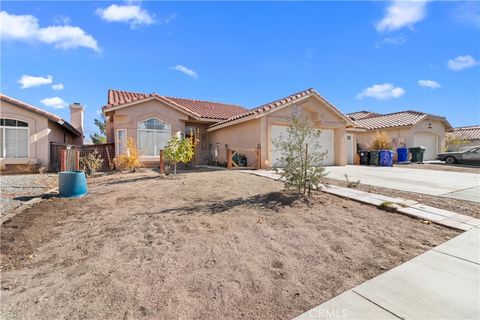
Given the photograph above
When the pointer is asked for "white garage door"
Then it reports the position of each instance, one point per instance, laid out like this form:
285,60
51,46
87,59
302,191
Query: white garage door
325,141
428,141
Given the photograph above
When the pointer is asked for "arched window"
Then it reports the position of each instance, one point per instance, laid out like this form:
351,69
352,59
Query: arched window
13,138
153,136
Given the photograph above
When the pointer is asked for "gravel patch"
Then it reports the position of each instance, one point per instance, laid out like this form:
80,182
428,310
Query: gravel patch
17,189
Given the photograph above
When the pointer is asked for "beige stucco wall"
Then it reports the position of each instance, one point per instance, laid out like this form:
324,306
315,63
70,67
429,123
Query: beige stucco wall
41,132
38,134
258,131
406,134
242,136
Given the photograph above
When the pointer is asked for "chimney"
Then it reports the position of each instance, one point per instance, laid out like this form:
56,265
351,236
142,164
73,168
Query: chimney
76,116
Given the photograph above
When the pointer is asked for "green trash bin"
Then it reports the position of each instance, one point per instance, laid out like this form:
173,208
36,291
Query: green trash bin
374,158
417,154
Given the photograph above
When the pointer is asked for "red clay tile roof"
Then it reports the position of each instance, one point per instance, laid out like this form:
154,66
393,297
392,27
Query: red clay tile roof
361,114
273,105
466,133
41,112
396,119
199,108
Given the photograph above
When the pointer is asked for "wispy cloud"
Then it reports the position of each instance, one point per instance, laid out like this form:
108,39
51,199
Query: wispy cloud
462,62
400,14
27,81
189,72
133,14
54,102
26,28
429,84
384,91
57,86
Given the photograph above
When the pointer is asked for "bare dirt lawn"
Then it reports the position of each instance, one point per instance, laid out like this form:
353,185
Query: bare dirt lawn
208,245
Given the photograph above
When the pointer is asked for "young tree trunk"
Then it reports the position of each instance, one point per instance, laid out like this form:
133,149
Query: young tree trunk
175,168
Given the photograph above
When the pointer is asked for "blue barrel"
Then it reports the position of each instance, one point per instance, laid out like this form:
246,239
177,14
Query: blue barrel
386,158
402,154
72,184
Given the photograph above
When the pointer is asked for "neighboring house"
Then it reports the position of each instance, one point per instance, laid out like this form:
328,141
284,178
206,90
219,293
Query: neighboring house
26,133
406,128
151,120
463,137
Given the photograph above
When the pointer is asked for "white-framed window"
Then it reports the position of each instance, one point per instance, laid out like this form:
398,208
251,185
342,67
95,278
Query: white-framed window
153,135
14,138
121,141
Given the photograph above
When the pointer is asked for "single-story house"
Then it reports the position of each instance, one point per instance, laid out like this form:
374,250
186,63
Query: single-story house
463,137
406,128
26,133
151,119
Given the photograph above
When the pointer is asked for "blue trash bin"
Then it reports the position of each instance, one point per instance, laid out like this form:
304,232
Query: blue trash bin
402,154
386,158
72,184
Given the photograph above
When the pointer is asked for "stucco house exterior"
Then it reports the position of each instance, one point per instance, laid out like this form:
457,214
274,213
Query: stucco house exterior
151,119
468,136
405,128
27,131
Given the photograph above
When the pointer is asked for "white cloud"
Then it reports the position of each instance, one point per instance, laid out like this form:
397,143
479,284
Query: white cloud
26,28
27,81
396,41
462,62
129,13
467,13
54,102
57,86
400,14
187,71
429,84
384,91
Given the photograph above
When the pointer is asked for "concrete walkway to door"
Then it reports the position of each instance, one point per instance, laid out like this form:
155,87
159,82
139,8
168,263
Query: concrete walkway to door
458,185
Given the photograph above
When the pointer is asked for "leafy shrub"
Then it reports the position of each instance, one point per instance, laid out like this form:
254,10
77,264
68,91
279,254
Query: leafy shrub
301,156
381,140
388,206
179,150
91,162
131,160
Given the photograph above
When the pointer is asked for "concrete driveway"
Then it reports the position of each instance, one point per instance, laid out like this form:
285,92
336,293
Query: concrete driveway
457,185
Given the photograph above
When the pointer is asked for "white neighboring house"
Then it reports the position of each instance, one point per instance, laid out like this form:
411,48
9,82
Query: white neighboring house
26,133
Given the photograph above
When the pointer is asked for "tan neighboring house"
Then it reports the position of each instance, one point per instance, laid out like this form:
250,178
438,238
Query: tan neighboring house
405,128
151,119
26,133
468,136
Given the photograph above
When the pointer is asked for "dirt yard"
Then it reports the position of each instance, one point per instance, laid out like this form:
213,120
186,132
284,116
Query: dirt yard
465,207
208,245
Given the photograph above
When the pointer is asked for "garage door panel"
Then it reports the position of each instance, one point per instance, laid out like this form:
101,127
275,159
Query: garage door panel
428,141
325,141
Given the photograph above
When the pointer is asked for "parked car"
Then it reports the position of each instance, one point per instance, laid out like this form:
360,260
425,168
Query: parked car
467,156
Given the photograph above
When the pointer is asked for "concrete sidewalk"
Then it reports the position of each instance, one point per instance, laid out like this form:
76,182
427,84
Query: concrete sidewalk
457,185
442,283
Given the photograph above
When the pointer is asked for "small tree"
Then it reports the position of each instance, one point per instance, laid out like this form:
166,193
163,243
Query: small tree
381,140
131,160
179,150
98,138
301,156
452,140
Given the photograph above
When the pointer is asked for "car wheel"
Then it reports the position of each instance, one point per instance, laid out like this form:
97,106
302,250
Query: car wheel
450,160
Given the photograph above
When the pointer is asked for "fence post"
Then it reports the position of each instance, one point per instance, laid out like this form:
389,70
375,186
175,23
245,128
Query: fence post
77,159
229,158
259,162
63,160
161,168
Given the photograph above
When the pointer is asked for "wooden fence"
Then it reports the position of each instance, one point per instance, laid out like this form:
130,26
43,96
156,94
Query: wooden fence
66,156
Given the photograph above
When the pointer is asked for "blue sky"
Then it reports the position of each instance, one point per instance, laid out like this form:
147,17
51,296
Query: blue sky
378,56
